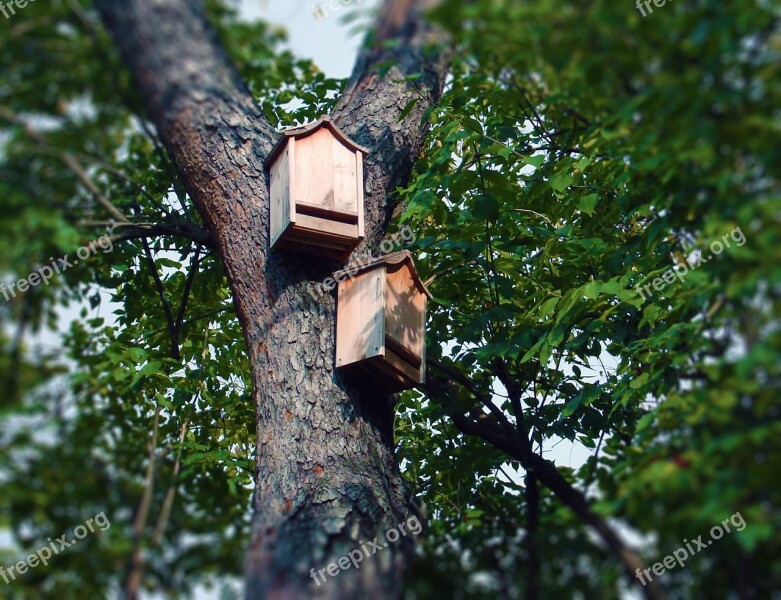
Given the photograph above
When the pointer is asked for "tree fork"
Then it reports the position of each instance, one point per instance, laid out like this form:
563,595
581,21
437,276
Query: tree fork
327,477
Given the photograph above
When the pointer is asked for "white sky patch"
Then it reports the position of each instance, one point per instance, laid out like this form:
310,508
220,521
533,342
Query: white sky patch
326,40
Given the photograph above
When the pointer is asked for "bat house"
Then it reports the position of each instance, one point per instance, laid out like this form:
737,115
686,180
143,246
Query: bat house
316,191
380,322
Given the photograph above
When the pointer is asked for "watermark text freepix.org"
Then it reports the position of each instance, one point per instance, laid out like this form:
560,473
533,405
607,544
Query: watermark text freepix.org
405,235
44,554
690,263
690,548
45,273
6,7
647,4
369,549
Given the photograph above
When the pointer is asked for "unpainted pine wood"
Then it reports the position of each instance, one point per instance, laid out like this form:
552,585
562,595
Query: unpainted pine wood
315,239
292,150
360,322
345,174
318,243
405,310
305,247
409,375
327,226
359,192
280,195
314,169
381,374
392,345
317,211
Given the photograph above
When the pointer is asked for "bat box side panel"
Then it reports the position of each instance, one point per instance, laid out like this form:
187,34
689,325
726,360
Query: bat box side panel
359,192
280,195
360,321
345,175
405,311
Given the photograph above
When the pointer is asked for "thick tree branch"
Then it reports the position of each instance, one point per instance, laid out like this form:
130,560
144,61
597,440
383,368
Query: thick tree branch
386,80
135,231
209,123
485,399
547,474
515,392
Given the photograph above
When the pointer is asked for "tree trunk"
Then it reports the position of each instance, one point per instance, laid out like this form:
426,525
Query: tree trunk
327,477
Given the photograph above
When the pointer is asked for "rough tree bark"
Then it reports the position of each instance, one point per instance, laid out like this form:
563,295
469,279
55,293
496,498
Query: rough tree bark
327,477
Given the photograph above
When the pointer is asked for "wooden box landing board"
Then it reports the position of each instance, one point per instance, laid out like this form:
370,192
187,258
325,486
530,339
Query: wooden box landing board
380,322
316,193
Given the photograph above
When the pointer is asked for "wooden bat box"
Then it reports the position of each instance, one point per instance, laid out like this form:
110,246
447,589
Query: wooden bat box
380,322
316,193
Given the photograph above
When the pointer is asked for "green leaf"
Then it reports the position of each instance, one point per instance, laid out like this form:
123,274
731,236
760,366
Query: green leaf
639,381
588,203
561,182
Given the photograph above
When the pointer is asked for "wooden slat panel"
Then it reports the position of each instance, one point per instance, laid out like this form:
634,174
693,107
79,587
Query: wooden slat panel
291,148
405,311
345,190
280,196
307,243
317,243
402,367
379,374
326,226
393,346
314,169
384,375
319,250
360,318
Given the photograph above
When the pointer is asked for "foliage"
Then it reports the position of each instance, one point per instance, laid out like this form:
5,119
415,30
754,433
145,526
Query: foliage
579,150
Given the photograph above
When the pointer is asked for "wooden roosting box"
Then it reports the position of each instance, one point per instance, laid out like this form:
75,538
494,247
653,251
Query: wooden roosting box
380,322
316,190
